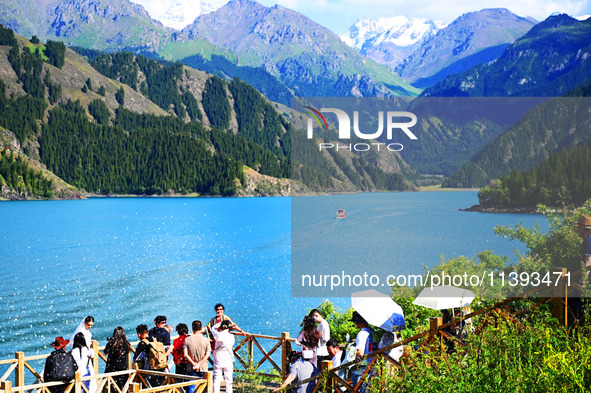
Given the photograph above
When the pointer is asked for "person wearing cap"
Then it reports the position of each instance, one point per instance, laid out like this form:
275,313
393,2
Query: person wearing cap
584,229
300,370
59,366
223,356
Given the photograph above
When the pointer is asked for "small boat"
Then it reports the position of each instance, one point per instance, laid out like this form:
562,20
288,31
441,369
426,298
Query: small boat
341,213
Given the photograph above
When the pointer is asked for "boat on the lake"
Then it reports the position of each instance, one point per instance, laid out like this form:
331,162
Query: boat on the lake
341,213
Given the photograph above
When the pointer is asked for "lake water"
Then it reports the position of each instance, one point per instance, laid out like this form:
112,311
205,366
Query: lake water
126,260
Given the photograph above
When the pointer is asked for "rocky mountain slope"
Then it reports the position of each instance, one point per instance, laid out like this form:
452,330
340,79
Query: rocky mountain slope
126,124
307,57
99,24
550,60
473,38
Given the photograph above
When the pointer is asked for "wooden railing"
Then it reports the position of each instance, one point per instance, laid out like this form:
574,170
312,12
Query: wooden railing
136,382
251,364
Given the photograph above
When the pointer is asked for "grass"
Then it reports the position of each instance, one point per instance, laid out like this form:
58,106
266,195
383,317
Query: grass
32,48
180,50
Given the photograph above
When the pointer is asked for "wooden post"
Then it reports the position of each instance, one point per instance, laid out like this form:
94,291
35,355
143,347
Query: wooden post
134,387
130,360
94,347
434,323
77,382
560,302
208,375
328,385
284,355
250,351
6,386
19,374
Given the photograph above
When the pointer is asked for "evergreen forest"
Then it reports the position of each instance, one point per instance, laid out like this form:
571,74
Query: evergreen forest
20,177
560,180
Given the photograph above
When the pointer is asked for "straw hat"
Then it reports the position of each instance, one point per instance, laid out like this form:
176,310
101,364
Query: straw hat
584,221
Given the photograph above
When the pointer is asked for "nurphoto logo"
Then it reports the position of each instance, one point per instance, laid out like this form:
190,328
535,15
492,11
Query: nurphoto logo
395,120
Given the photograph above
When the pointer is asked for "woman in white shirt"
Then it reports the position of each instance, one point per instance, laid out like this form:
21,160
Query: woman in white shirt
223,356
83,355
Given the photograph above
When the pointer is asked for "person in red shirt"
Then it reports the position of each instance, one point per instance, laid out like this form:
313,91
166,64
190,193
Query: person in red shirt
183,366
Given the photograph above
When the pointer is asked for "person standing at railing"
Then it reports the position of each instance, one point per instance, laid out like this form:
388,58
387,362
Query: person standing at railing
142,355
300,370
324,335
59,366
219,317
309,338
223,356
338,356
117,351
197,350
364,344
159,332
83,357
84,327
183,366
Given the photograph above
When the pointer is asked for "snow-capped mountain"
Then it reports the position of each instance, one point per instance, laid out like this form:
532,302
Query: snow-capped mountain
179,13
390,40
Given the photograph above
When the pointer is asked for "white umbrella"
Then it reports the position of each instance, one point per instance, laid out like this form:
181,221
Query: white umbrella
378,309
443,297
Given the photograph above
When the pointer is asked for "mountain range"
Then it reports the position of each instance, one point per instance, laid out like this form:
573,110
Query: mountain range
304,55
474,38
99,24
550,60
182,12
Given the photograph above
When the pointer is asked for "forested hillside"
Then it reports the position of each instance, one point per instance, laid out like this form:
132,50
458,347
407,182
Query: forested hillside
18,177
561,179
104,150
548,61
127,124
548,128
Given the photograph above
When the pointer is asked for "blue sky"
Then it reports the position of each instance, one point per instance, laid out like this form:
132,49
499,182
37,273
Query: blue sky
339,15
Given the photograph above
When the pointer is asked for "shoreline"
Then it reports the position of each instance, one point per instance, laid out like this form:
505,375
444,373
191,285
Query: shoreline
506,210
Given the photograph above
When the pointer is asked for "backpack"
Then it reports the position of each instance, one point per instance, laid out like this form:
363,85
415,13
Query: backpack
60,366
156,355
389,339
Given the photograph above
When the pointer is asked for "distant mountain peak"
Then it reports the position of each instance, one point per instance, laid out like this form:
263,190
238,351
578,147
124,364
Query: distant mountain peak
473,38
182,12
389,40
399,30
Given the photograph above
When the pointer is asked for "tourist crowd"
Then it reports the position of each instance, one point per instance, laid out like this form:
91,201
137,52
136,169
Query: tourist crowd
191,352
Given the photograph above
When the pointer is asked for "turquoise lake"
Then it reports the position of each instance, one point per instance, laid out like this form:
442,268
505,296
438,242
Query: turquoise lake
126,260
